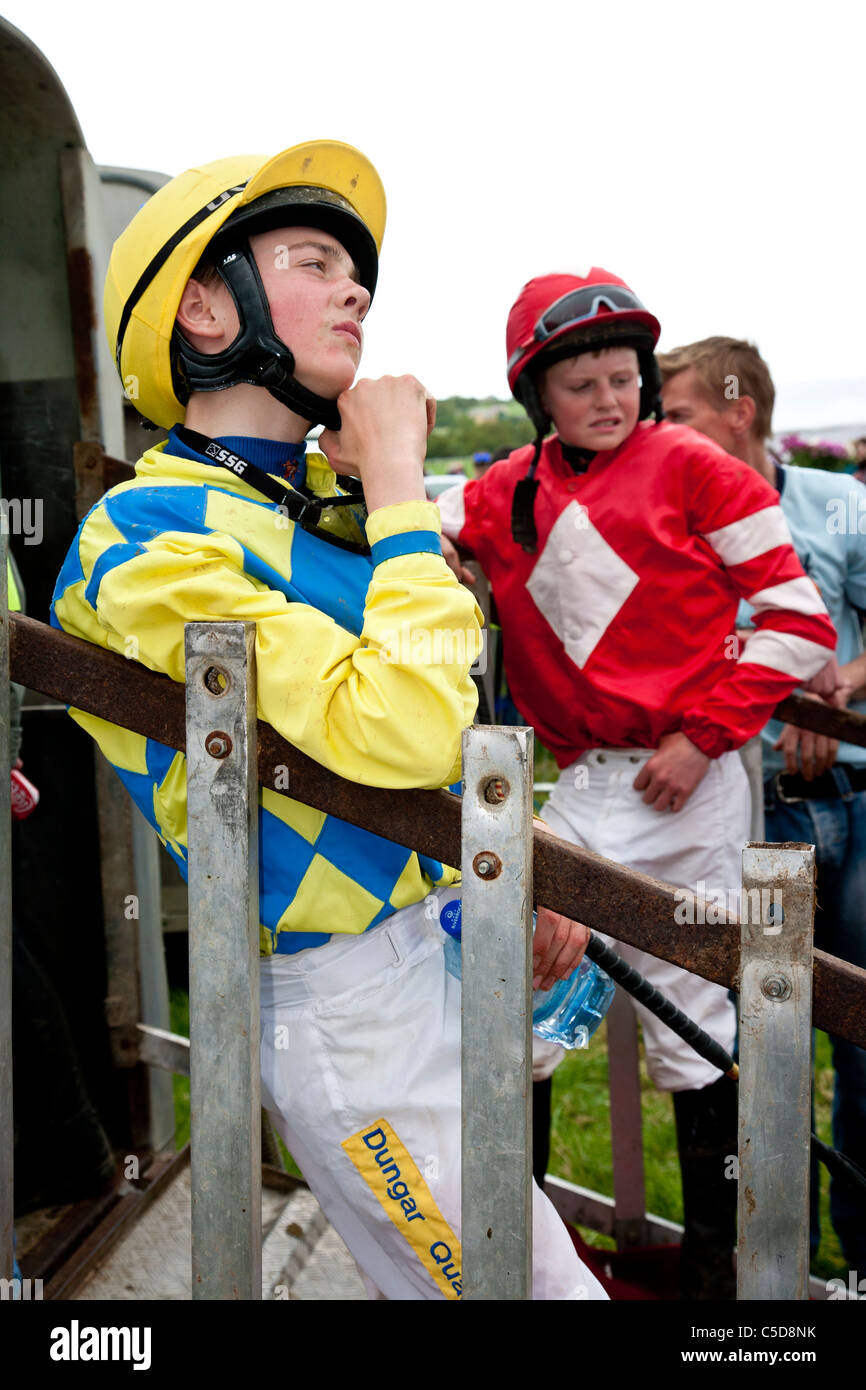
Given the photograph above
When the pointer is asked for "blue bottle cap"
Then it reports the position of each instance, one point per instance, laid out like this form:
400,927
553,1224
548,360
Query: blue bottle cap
451,918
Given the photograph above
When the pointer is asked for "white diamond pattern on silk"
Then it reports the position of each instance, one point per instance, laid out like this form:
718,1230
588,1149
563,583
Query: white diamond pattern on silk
579,583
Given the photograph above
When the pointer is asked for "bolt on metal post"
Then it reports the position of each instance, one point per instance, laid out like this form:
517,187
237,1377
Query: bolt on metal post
775,1071
225,1107
497,1013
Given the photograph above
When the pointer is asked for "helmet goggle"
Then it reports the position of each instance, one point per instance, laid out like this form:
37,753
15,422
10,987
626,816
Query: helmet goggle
579,306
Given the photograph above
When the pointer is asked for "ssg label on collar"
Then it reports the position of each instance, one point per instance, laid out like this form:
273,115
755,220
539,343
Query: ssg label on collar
389,1169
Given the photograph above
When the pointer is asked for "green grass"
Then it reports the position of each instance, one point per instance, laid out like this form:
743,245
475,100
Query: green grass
580,1148
829,1260
179,1013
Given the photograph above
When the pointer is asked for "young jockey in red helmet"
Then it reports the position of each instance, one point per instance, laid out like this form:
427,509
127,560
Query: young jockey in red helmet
618,550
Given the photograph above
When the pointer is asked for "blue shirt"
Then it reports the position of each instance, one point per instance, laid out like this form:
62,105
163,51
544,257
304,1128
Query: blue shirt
826,514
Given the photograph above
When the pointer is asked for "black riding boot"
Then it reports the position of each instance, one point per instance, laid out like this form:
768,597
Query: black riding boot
707,1140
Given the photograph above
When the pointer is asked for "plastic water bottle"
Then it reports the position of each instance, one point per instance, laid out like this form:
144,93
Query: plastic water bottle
567,1014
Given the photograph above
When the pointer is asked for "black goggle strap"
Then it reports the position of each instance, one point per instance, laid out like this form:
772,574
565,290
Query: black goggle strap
306,511
523,528
651,387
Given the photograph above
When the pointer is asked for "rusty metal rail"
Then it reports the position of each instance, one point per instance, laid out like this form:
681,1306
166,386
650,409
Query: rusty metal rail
844,724
607,897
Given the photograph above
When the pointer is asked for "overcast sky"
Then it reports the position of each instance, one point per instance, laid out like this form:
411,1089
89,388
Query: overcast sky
711,155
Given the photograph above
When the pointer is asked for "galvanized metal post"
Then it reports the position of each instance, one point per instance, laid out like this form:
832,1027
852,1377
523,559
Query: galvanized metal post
497,1013
776,915
225,1106
6,1126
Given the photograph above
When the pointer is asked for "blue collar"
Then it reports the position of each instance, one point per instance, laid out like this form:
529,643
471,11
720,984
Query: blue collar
273,455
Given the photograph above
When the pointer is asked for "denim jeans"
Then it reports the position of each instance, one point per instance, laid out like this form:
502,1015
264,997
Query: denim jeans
837,829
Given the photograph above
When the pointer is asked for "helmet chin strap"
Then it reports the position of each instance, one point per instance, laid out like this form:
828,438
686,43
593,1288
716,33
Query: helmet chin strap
257,356
277,378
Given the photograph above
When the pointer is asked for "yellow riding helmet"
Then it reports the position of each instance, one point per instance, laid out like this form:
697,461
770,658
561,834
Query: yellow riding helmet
324,183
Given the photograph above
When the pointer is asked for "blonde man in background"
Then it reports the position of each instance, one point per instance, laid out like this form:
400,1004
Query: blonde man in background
814,787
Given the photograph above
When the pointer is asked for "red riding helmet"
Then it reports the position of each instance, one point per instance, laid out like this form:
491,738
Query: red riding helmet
556,316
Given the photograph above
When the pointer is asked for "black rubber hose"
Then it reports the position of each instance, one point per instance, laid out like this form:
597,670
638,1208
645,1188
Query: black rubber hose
646,994
839,1165
640,989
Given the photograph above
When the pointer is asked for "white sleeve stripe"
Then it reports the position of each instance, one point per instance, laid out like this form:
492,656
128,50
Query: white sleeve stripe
794,595
750,536
782,651
452,506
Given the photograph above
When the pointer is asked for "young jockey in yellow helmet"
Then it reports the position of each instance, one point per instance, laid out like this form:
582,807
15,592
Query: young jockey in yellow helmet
235,305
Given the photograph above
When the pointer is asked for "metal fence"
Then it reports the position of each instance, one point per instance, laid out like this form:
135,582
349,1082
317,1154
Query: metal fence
496,862
493,837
